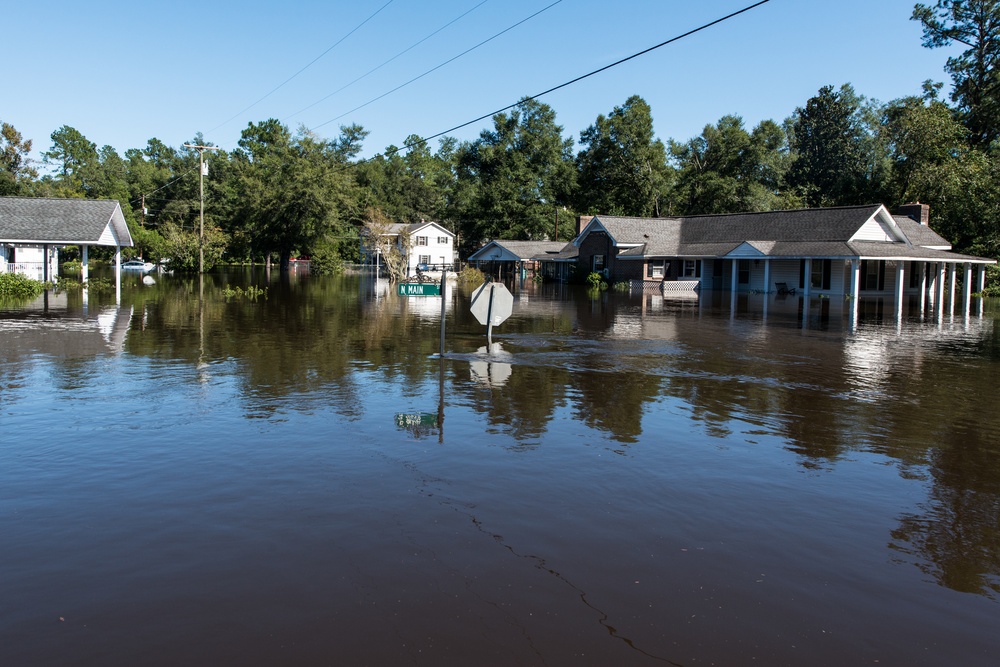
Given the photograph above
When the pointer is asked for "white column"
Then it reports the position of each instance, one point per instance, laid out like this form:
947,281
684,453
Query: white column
923,287
118,274
900,288
85,269
939,283
736,270
952,274
982,278
767,285
855,289
807,283
967,287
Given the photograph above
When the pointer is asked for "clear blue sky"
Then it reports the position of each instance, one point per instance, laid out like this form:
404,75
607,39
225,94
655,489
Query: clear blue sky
123,72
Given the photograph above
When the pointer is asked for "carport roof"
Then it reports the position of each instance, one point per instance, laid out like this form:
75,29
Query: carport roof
31,220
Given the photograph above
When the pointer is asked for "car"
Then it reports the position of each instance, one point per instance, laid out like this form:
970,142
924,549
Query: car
137,265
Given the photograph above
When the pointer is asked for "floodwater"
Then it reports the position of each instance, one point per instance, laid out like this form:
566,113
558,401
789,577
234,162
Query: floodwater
299,479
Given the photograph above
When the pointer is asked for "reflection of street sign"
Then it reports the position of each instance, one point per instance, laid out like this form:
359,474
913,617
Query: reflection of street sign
492,314
418,289
422,419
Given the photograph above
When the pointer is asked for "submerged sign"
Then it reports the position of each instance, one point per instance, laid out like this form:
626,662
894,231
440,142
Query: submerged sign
418,289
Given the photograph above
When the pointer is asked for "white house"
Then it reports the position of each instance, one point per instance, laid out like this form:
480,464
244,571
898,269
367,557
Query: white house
425,244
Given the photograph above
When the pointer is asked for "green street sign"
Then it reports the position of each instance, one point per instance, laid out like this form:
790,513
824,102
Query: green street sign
418,289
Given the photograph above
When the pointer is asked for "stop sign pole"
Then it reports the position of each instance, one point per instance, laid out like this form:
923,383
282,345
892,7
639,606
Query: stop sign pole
492,304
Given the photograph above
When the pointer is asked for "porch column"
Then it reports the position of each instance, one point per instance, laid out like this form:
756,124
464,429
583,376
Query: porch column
982,278
939,284
855,286
967,287
923,287
951,288
807,283
767,283
45,263
84,269
900,288
736,270
118,274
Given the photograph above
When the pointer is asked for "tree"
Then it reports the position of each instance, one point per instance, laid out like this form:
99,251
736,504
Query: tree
295,190
836,158
512,179
16,170
74,157
976,25
622,168
729,170
410,183
389,245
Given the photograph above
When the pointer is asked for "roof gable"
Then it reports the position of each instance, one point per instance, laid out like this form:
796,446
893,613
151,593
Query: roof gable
880,226
63,221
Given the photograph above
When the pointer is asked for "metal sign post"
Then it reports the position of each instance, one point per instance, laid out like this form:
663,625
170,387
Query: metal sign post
492,304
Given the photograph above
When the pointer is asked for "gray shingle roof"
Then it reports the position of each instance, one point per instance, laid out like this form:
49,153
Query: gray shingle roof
62,221
820,232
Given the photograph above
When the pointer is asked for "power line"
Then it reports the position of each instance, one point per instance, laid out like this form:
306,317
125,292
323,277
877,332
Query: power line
437,67
373,70
572,81
307,66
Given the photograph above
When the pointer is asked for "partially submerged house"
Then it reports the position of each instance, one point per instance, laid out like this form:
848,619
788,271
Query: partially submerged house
508,259
851,250
424,244
32,229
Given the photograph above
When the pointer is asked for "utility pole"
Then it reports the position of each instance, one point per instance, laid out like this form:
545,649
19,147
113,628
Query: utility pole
201,186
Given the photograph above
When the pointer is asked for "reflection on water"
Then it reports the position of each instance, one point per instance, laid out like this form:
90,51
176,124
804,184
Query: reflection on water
616,480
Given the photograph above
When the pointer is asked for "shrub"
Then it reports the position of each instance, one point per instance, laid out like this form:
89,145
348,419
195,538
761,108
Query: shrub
18,286
471,277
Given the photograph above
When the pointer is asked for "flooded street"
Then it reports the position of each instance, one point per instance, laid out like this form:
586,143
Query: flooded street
190,478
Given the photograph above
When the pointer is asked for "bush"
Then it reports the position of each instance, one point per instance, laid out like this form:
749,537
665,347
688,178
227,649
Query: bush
596,281
471,277
992,281
325,259
17,286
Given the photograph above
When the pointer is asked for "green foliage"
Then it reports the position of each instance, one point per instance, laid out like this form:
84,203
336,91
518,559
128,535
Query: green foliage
729,170
325,259
621,286
512,179
181,247
64,284
16,171
101,285
836,158
471,277
992,288
623,167
976,91
251,293
14,285
596,281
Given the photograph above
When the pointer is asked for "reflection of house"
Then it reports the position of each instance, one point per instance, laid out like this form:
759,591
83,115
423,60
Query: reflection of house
833,251
32,228
422,243
515,258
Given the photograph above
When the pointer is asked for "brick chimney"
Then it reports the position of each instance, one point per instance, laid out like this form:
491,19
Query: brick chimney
917,211
581,222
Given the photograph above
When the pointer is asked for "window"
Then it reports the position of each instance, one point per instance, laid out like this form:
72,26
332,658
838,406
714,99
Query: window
691,269
744,272
655,269
872,274
598,262
442,240
423,259
421,240
816,275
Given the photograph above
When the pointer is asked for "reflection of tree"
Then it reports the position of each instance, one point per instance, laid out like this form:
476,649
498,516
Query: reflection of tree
526,401
616,401
956,539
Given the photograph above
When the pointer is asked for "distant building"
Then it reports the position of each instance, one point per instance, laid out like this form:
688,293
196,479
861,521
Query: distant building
852,250
423,243
510,259
32,229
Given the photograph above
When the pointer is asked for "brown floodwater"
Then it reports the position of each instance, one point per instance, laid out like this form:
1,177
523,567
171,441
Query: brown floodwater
299,479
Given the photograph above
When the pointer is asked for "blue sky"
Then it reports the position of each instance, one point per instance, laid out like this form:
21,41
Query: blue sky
124,72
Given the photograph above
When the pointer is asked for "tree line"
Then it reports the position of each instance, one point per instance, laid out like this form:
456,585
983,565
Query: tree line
280,193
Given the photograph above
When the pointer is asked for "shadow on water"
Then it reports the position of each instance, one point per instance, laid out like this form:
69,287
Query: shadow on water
595,424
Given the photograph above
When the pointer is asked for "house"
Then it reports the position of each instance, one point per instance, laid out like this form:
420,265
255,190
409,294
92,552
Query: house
31,230
423,243
847,251
516,258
